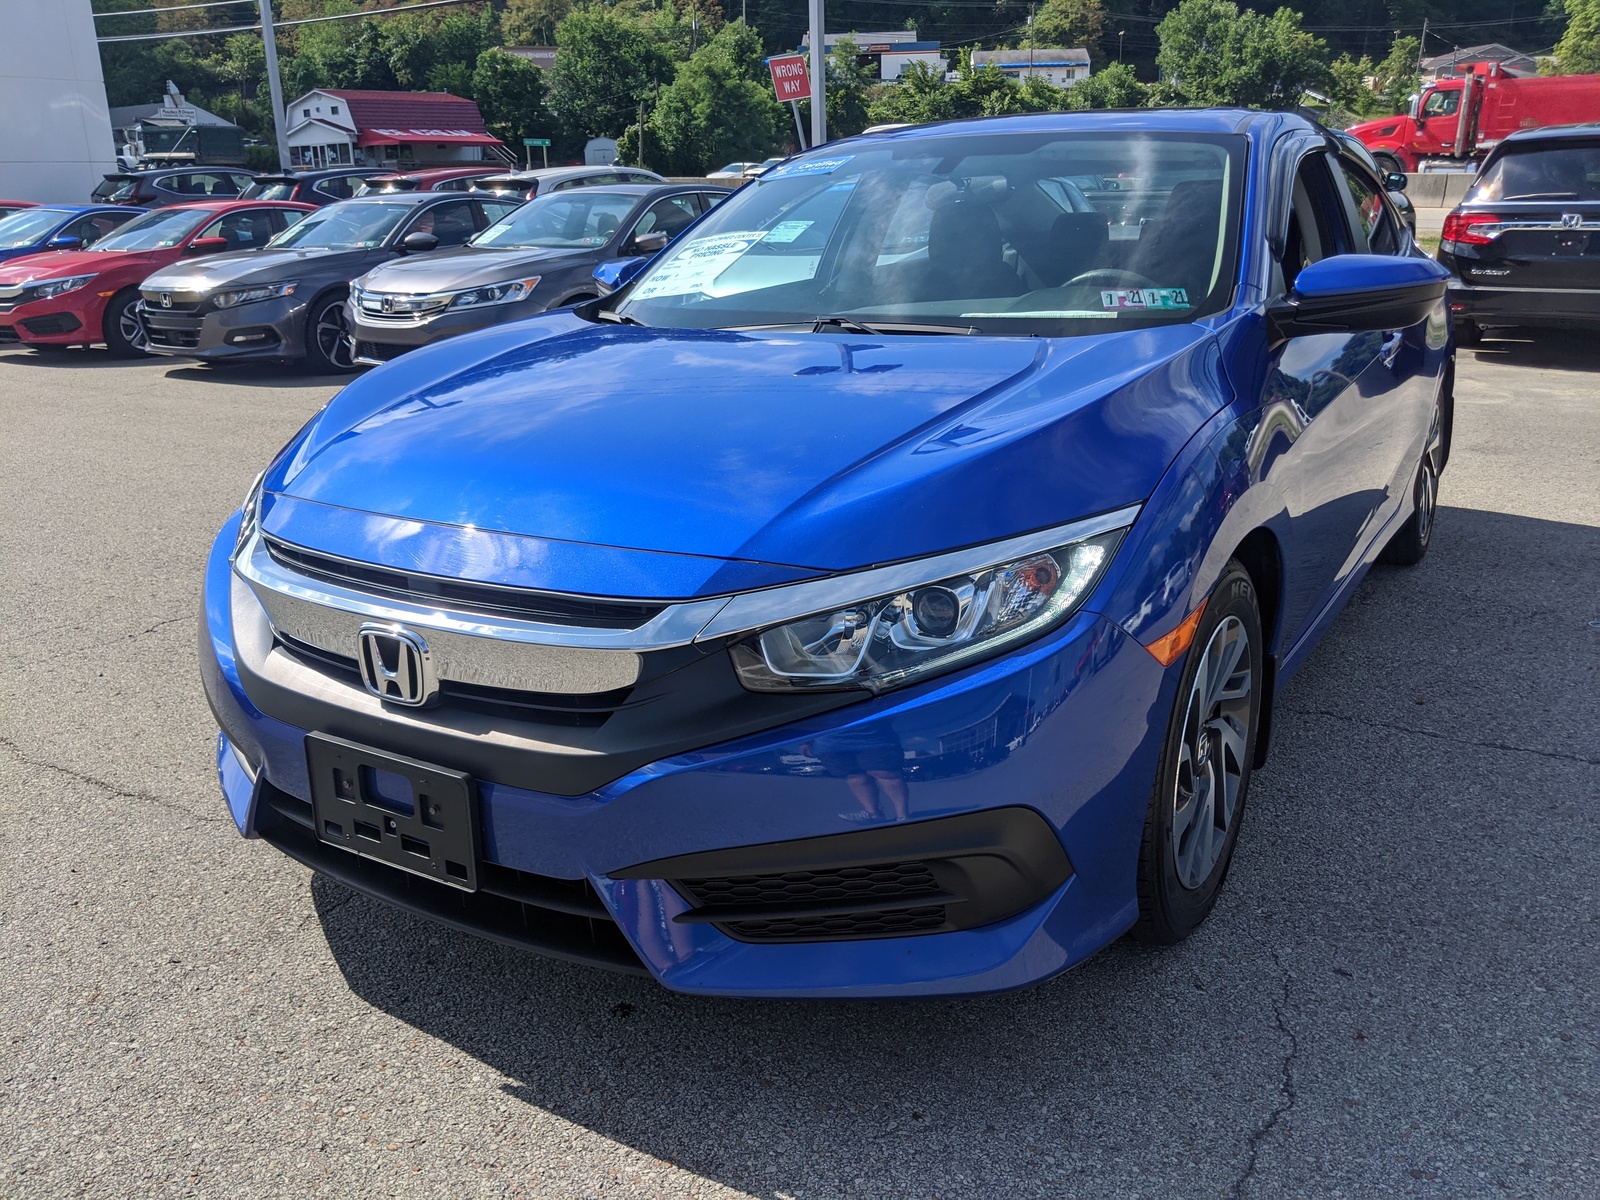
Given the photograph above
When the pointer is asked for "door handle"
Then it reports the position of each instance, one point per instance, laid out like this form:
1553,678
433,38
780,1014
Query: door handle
1391,347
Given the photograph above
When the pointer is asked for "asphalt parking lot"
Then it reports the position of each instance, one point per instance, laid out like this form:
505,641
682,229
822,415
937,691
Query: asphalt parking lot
1399,993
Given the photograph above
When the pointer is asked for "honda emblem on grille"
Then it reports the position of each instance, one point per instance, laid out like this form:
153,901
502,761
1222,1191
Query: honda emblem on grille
1571,220
166,299
396,665
388,304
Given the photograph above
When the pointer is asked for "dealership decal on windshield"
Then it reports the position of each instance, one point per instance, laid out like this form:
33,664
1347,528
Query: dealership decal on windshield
1145,298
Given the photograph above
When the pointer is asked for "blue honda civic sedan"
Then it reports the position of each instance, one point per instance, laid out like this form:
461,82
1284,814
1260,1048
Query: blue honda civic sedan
884,592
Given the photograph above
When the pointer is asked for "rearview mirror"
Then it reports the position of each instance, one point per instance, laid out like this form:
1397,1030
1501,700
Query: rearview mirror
649,243
64,243
617,273
1351,293
210,245
418,243
1394,181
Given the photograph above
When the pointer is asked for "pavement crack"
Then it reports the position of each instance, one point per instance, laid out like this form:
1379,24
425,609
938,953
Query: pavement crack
1286,1089
1441,737
123,637
112,789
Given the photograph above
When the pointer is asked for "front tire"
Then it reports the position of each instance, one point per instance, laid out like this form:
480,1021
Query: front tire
123,332
1411,541
1195,810
328,348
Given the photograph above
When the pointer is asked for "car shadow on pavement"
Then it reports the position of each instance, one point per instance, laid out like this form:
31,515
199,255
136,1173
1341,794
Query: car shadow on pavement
1343,978
1553,350
255,374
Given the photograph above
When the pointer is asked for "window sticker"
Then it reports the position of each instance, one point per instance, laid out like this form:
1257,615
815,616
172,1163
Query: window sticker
787,231
697,265
815,166
1158,298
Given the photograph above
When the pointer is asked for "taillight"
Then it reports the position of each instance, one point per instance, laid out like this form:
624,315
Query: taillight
1464,228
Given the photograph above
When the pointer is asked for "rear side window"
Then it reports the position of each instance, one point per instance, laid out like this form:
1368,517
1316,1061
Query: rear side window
1316,223
1534,171
340,187
1375,231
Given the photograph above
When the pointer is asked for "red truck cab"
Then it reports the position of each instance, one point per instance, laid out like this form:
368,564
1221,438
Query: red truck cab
1462,118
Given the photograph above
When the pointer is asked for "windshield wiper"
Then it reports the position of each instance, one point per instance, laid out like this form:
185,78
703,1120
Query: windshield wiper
1543,196
879,330
616,318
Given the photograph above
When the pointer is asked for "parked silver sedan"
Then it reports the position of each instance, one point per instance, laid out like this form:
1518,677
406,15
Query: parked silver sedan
540,256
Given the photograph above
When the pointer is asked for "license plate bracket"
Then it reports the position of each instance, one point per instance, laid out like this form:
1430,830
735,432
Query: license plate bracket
412,815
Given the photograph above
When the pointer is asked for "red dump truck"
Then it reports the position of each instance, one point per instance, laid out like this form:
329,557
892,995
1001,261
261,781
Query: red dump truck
1456,121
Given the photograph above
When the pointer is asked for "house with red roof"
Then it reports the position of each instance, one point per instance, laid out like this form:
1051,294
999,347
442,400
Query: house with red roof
333,127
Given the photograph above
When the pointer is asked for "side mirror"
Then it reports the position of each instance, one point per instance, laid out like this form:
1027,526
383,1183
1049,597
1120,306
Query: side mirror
64,243
609,276
649,243
1357,293
211,245
1394,181
418,243
1414,105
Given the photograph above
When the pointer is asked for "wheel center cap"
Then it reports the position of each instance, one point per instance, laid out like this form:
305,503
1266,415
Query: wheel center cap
1202,746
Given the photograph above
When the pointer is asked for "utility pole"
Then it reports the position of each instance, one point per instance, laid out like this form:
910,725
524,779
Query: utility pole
819,74
1121,33
270,43
1030,41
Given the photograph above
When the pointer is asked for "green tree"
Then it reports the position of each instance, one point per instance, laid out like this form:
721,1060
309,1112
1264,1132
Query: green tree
510,94
719,108
1578,51
1400,74
1112,86
849,80
607,64
1215,54
532,22
1348,88
1069,24
922,95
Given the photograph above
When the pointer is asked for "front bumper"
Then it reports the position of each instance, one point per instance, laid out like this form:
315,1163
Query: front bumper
1065,731
267,329
379,340
1556,308
47,322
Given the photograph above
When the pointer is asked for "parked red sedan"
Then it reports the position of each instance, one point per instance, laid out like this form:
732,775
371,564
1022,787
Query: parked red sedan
430,179
7,207
78,297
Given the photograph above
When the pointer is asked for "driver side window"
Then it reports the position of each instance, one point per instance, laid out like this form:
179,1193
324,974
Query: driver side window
1314,224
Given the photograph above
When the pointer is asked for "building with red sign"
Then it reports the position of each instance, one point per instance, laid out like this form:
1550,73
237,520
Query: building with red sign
338,127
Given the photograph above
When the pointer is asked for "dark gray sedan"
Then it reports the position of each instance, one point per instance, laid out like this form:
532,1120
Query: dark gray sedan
541,256
287,300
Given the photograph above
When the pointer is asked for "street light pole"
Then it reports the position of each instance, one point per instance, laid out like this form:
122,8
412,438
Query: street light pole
270,44
819,71
1120,34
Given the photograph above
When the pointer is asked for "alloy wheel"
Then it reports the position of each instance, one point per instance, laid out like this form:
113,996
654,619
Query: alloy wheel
1211,755
1428,478
333,337
131,328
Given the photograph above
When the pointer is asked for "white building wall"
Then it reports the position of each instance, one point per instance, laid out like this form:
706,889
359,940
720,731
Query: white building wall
55,128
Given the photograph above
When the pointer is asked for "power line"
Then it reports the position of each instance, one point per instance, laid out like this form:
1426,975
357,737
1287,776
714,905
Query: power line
220,29
139,12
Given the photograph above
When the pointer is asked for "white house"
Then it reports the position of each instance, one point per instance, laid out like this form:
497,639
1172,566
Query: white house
890,51
1063,68
334,127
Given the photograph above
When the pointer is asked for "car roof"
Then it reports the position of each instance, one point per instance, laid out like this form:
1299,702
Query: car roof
163,172
436,173
319,173
1107,120
402,198
640,189
543,173
1556,133
234,202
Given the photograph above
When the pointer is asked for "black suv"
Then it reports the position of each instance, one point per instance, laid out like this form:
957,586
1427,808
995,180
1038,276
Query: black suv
172,185
310,187
1524,244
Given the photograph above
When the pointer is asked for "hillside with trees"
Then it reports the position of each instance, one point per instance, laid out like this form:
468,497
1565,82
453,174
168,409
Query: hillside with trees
683,85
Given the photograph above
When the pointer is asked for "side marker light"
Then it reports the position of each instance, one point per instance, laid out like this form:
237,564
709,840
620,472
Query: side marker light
1169,648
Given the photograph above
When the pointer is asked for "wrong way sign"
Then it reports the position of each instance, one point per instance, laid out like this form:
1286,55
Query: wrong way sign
790,79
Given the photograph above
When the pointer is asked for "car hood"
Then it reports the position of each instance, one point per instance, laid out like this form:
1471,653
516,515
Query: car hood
817,452
463,267
61,264
251,266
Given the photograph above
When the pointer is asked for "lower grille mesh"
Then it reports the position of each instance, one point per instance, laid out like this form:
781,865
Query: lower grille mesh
841,902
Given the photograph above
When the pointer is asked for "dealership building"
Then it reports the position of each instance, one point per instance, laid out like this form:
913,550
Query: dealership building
338,127
55,142
888,53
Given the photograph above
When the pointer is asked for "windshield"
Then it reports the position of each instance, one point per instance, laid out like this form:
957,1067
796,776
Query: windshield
158,230
344,227
1568,171
574,220
27,226
270,189
1027,233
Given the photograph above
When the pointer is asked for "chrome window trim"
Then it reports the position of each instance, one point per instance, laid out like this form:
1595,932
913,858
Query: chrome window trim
750,611
678,624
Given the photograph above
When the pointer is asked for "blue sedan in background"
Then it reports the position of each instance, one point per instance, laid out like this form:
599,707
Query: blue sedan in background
59,227
885,592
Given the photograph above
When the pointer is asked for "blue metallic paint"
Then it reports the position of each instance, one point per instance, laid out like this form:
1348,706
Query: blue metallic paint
69,213
1219,434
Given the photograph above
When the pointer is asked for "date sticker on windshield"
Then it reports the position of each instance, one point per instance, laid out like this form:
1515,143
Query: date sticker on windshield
787,231
1157,298
814,166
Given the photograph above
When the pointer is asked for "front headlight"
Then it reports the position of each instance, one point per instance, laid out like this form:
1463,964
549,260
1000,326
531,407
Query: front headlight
251,510
53,287
499,293
890,640
267,291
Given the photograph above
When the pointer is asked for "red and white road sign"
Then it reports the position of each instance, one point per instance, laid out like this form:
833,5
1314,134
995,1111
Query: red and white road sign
790,79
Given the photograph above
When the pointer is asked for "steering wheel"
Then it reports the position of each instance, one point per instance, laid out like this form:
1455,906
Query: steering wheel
1111,276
